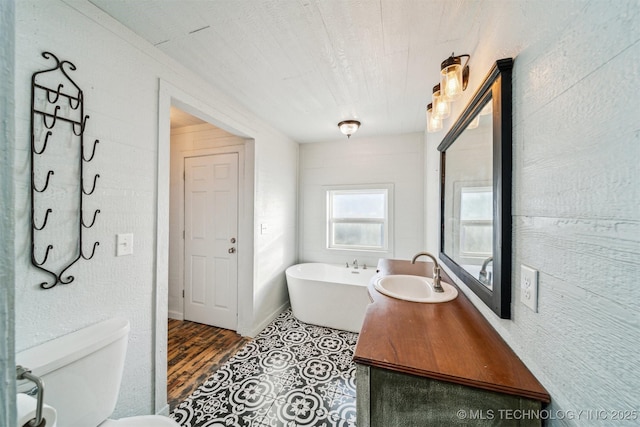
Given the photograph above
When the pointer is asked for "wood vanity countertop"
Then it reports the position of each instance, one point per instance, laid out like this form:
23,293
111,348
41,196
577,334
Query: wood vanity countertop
448,341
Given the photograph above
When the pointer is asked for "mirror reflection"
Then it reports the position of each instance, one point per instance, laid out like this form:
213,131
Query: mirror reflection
468,199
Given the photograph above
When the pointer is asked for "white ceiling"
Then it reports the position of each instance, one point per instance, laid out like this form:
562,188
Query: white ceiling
305,65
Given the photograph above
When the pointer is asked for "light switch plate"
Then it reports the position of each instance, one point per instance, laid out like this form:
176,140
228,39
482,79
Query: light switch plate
529,287
124,244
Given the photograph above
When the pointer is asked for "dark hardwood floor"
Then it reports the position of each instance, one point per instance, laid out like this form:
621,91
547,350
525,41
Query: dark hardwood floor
194,352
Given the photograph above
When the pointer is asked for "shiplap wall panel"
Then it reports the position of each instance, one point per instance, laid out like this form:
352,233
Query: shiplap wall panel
576,205
604,187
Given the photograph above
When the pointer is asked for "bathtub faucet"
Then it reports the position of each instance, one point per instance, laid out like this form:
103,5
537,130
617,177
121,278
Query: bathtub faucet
355,263
437,287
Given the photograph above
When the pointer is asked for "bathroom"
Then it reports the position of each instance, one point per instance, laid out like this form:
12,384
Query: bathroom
575,216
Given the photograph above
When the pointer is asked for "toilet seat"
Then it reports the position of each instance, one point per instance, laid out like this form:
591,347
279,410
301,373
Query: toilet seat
141,421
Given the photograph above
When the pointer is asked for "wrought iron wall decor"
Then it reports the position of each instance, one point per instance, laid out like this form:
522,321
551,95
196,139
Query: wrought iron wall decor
58,166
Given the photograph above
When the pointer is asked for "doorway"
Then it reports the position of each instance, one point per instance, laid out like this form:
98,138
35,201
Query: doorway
208,227
169,224
207,236
210,239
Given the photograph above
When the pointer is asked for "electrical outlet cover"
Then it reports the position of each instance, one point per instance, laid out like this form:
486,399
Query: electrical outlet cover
529,287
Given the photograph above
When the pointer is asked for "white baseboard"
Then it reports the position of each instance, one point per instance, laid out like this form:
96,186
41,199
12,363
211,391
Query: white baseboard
269,319
176,315
252,333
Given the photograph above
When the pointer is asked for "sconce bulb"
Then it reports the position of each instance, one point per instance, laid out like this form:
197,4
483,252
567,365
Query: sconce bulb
441,108
454,77
434,124
452,83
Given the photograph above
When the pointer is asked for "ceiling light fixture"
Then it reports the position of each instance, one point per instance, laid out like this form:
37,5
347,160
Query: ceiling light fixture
454,77
349,127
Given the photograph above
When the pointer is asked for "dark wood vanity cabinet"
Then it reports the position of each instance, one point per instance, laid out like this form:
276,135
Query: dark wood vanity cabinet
388,398
438,364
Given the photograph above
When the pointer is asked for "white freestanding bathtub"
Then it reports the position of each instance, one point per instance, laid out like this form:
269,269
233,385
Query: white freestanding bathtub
329,295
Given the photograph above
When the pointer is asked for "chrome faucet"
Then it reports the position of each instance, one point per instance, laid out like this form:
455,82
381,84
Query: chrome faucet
437,287
483,276
355,263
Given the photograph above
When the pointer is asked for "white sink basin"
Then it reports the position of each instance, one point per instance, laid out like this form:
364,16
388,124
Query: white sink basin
414,288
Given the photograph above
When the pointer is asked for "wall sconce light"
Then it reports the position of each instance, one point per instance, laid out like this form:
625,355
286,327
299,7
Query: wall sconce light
434,123
441,108
454,77
349,127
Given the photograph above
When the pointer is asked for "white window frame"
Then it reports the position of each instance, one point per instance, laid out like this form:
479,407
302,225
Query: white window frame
387,221
477,222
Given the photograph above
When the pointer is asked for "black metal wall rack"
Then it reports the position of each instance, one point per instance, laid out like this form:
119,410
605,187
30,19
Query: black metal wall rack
59,160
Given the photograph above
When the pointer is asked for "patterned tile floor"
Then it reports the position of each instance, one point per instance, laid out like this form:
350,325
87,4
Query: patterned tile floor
292,374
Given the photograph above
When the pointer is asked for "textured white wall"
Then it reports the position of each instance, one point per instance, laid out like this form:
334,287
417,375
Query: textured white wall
121,97
396,159
7,220
576,197
275,233
119,74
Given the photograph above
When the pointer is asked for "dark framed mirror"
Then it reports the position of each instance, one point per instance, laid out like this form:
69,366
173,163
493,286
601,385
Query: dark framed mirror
475,192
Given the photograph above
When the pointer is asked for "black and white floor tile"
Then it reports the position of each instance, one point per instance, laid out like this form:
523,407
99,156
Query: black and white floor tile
292,374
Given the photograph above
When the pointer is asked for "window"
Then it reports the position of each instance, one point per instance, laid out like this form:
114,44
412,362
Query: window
476,222
358,218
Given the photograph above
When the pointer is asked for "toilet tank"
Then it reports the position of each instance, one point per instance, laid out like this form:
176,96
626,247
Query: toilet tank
81,371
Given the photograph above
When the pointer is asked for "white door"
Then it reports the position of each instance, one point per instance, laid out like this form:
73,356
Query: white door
211,226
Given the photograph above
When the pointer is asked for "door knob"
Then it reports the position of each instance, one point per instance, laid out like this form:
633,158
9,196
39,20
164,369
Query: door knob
232,250
233,240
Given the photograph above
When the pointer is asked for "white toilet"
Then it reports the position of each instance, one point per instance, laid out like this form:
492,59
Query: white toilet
82,373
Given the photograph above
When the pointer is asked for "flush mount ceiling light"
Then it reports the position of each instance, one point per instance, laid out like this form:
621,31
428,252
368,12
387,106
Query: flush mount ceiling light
454,76
349,127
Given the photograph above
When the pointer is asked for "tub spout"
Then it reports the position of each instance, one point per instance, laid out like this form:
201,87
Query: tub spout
437,287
